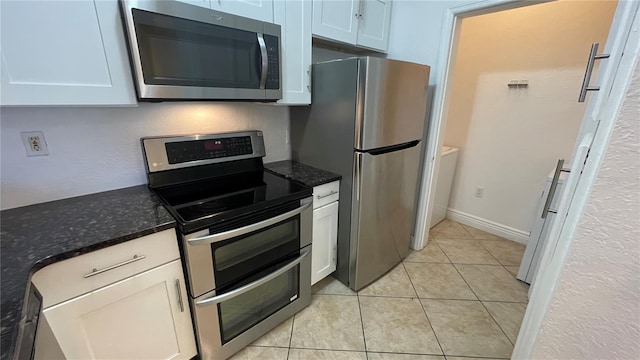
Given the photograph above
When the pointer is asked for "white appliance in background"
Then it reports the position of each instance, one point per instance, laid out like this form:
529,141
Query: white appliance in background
545,216
448,160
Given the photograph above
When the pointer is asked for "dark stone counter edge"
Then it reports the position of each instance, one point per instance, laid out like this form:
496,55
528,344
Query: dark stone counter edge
328,176
18,332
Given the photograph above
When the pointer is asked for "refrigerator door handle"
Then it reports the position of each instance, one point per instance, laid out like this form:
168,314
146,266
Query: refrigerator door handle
357,174
391,148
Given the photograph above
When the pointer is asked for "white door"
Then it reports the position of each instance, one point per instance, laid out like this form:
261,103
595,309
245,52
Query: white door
374,24
336,20
254,9
142,317
63,53
613,77
294,16
324,241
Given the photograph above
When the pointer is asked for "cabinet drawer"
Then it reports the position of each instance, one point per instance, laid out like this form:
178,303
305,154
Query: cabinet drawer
325,194
66,279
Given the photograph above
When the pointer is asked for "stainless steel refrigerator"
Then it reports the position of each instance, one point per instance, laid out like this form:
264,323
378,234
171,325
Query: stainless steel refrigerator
365,123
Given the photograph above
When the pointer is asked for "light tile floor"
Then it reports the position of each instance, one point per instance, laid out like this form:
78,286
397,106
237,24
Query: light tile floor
456,299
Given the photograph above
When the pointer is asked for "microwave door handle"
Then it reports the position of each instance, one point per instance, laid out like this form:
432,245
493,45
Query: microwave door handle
252,285
265,61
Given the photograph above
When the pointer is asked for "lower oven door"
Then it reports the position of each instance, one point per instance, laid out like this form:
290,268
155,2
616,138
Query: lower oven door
228,321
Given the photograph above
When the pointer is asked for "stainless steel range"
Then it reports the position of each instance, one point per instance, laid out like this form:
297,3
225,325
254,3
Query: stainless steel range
245,235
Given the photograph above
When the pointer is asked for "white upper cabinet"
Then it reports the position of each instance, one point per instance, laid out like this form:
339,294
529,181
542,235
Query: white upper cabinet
201,3
63,53
374,24
294,16
254,9
336,20
363,23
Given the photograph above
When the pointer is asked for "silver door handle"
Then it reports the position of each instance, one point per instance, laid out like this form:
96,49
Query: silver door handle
587,73
252,285
327,195
552,189
179,295
265,61
95,271
208,239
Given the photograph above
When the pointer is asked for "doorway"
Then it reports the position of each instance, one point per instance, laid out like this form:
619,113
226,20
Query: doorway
513,112
612,79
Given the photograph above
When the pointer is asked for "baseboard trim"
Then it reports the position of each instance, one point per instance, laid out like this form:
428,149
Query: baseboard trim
491,227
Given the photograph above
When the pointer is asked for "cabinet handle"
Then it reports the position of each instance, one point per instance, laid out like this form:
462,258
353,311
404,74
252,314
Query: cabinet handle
179,295
327,195
587,73
360,10
552,189
95,271
309,86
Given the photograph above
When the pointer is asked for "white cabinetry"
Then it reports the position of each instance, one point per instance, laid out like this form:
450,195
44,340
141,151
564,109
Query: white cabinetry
253,9
325,230
141,315
363,23
63,53
294,17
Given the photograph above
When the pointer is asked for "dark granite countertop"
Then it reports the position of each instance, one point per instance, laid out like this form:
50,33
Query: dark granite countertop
304,174
35,236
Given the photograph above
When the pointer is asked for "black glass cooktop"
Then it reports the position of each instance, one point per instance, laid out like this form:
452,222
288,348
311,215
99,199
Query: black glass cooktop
205,203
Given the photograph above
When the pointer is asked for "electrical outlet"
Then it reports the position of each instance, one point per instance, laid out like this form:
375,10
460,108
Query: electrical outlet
479,191
35,143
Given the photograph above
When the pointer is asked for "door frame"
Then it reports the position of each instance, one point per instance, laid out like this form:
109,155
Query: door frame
546,281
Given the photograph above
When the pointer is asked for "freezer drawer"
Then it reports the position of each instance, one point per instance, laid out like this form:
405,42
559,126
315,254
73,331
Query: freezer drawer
384,200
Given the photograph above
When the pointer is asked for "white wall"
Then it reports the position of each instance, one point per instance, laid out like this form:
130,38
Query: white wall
510,139
98,149
595,311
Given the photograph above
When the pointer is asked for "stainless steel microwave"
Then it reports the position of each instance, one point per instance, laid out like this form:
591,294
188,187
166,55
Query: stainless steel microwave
185,52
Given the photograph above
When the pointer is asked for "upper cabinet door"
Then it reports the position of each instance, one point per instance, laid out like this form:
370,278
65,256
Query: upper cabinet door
336,20
374,24
63,53
201,3
294,16
254,9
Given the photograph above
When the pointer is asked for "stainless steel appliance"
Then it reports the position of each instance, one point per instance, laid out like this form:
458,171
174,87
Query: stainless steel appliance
245,235
180,51
365,123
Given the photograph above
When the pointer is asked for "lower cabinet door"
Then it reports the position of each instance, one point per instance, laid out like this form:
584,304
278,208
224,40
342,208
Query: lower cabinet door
145,316
324,241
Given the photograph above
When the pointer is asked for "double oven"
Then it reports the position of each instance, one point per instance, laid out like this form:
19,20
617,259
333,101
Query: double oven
245,235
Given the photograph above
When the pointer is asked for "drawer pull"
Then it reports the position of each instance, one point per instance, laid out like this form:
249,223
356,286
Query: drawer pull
327,195
179,295
96,271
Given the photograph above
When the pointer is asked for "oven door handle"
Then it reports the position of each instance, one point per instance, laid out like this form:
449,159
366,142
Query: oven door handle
208,239
252,285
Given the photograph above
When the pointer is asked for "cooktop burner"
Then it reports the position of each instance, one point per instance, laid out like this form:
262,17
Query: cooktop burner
212,180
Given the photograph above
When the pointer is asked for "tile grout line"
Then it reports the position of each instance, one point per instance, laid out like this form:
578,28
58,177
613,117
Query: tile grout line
293,320
424,310
485,308
364,338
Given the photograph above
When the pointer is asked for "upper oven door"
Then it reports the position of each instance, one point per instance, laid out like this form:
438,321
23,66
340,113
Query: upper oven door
181,51
219,259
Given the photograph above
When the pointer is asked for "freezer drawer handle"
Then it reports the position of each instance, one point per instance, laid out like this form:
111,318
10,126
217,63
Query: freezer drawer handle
209,239
241,290
587,73
552,189
327,195
95,271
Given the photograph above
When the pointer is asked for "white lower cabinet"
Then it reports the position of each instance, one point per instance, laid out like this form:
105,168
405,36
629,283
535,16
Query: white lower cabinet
145,316
325,231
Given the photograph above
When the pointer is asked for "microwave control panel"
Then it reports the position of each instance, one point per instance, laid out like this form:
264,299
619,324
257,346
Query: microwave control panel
273,56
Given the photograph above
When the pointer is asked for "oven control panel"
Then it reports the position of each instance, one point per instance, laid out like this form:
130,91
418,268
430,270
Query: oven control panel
163,153
185,151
